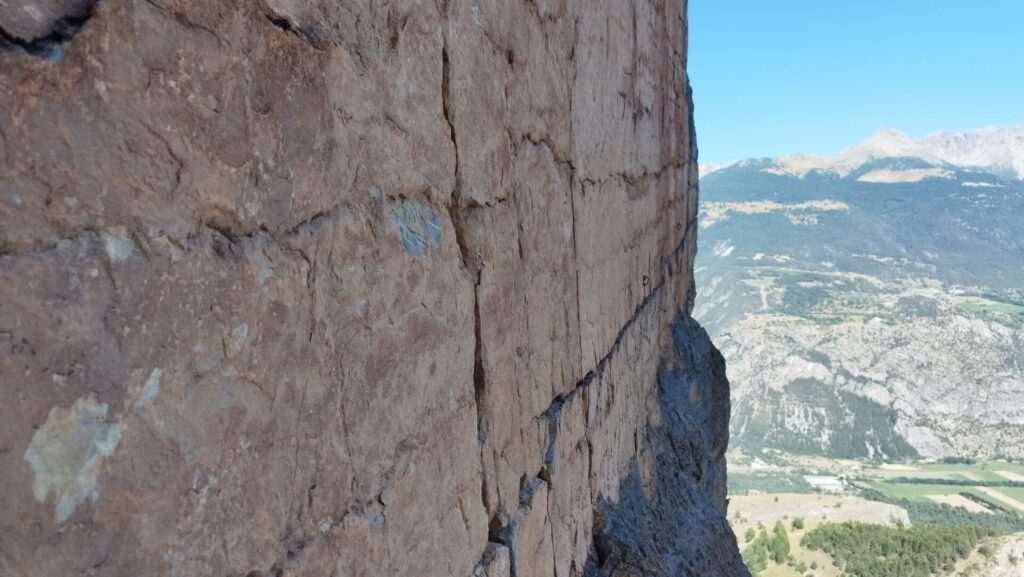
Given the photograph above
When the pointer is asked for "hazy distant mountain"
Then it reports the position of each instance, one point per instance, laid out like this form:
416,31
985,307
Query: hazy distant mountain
871,304
998,151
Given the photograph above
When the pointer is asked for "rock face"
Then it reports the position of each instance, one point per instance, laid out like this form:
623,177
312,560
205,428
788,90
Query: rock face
354,289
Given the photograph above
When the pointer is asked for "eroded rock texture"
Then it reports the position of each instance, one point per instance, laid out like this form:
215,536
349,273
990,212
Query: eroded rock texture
353,288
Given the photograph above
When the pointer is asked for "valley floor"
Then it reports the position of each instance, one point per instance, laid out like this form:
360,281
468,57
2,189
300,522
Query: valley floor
804,493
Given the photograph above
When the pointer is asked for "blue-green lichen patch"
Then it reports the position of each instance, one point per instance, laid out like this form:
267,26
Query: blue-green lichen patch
149,391
118,245
418,227
68,453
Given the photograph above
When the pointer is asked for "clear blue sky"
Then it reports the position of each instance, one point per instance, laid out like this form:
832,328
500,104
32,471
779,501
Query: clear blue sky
772,77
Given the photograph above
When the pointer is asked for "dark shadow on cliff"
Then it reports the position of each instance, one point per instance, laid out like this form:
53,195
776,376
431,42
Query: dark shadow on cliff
59,31
673,523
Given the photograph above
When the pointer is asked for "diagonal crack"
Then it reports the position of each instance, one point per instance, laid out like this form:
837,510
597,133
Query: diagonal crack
506,533
307,33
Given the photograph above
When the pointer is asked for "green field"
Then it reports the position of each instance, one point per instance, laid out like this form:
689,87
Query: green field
919,477
938,498
981,472
985,481
987,494
759,282
743,483
922,493
987,306
1013,492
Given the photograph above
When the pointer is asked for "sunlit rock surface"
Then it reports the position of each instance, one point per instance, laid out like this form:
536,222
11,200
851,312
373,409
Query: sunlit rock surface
345,288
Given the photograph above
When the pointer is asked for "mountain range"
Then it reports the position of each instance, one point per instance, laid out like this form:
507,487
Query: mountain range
998,151
871,304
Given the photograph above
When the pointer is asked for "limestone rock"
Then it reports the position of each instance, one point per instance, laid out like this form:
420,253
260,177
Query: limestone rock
642,532
349,288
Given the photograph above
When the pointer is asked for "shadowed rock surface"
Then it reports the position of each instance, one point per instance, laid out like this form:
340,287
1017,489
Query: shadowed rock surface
350,288
644,533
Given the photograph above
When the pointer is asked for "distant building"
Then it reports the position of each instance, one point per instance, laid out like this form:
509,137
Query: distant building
826,483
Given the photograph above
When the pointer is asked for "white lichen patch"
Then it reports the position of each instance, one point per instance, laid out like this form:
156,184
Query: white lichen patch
149,390
117,244
234,345
240,334
265,273
33,11
68,452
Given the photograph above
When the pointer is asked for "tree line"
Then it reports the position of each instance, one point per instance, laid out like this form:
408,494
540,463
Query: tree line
939,514
862,550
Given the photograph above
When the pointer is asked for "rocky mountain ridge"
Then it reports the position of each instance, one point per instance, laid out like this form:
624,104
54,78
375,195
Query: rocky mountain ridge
991,150
868,317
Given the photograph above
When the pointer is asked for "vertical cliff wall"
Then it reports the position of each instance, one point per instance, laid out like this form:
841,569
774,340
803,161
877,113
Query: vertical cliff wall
353,288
